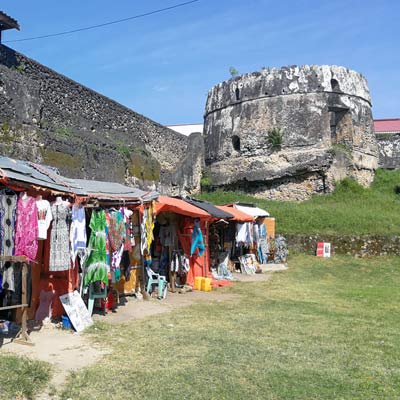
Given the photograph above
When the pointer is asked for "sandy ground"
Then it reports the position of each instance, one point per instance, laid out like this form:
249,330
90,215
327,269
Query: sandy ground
67,351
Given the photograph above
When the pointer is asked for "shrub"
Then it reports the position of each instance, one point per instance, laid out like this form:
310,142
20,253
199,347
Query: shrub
275,138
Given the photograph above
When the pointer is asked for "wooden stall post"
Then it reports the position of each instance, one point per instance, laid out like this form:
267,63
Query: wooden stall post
22,336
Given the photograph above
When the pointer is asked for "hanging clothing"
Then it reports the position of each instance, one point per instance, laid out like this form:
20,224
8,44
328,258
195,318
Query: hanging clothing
197,240
150,225
147,228
44,218
59,238
168,236
96,272
244,234
107,228
26,228
116,262
129,238
96,266
143,235
8,208
77,234
241,233
116,230
256,233
8,277
179,262
16,295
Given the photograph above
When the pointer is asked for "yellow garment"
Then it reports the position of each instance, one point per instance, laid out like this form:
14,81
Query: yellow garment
150,225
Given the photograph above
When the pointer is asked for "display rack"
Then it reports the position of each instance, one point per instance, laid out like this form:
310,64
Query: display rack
22,336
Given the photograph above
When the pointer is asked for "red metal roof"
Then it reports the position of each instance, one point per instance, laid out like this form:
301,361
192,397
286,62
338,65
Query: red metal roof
387,125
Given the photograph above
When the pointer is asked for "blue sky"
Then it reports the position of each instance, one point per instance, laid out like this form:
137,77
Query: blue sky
162,66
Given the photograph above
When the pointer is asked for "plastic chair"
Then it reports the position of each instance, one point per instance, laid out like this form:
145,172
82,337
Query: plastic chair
158,280
95,294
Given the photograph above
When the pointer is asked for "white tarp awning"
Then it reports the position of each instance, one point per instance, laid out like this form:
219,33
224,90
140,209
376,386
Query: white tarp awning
253,211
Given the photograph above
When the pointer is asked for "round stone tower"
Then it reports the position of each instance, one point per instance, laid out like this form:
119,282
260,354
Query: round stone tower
289,133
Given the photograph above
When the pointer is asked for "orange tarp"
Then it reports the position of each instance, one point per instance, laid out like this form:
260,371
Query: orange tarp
238,215
199,265
178,206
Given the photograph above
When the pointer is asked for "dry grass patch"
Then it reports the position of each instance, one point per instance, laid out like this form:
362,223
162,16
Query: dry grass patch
323,329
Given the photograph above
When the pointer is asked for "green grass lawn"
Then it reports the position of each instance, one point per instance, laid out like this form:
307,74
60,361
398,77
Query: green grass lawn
351,209
21,378
324,329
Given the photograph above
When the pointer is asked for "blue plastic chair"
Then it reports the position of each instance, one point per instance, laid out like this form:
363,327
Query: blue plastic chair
94,294
154,279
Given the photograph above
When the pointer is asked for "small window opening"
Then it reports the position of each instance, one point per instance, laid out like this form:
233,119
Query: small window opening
335,85
336,116
236,142
237,93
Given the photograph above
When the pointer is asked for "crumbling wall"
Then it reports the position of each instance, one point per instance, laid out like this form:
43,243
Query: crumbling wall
323,114
47,117
389,150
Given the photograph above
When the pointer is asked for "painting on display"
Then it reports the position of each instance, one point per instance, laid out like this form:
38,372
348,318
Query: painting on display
76,310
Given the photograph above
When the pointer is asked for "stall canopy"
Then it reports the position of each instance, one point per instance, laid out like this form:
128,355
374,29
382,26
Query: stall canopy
238,215
28,174
178,206
251,210
114,191
214,211
16,171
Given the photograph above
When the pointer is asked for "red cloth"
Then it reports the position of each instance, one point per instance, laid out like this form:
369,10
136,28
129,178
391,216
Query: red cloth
199,266
220,283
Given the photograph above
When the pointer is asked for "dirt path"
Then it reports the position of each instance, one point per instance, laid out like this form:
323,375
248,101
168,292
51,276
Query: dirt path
67,351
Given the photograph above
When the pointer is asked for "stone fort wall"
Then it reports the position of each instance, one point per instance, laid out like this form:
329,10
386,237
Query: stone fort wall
49,118
324,113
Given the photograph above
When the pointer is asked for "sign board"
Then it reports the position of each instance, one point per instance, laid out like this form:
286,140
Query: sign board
323,249
76,310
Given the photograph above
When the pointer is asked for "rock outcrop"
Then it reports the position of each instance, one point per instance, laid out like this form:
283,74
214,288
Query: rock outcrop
289,133
48,118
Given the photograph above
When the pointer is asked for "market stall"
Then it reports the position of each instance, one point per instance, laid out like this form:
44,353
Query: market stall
181,229
48,219
249,234
217,231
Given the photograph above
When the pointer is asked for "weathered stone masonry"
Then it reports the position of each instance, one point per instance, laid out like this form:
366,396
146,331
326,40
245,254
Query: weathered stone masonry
361,245
47,117
389,150
324,113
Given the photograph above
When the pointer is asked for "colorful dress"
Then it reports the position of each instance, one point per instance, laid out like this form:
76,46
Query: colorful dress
116,230
96,266
26,228
59,238
8,207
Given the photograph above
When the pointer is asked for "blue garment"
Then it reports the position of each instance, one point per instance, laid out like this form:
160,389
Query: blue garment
197,239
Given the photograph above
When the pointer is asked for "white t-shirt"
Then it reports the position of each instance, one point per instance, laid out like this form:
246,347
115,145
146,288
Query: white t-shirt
44,218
